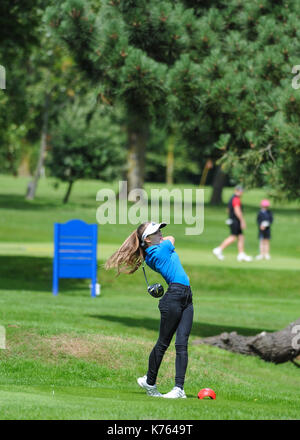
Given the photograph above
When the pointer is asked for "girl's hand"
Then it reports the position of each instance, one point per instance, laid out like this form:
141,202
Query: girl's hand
172,239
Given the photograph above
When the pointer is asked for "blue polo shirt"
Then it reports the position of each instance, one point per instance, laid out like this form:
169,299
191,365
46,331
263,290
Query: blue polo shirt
163,259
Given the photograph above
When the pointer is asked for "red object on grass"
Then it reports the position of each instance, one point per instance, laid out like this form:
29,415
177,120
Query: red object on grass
206,392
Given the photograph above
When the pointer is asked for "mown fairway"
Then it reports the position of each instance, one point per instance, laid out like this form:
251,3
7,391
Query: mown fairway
74,357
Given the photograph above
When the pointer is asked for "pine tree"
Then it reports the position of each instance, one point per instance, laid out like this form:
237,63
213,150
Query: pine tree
131,51
86,143
249,113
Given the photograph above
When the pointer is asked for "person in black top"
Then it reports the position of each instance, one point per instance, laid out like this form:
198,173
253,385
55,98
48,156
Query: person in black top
264,221
237,224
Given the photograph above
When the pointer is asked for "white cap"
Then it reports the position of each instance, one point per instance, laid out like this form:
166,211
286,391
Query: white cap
151,229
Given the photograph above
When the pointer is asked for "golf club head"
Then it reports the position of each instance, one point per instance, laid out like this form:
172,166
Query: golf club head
156,290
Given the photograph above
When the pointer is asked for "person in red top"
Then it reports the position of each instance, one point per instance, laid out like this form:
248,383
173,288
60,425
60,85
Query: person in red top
237,225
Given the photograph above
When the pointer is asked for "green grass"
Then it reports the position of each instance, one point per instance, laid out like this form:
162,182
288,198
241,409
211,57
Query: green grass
74,357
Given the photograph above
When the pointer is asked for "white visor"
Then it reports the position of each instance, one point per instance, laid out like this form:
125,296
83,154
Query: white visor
151,229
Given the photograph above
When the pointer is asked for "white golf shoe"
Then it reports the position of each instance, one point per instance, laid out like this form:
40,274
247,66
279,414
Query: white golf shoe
243,257
151,390
268,257
218,253
259,257
175,393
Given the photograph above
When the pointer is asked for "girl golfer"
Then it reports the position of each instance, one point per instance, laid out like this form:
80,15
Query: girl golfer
264,222
176,306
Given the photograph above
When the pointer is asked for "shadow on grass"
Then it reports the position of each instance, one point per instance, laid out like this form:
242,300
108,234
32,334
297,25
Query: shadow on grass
18,202
8,201
250,209
199,329
35,274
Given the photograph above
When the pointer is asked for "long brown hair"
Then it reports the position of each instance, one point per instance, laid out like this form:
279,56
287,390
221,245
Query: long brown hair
129,257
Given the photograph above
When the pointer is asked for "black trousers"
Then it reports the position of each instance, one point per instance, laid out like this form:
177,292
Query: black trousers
176,310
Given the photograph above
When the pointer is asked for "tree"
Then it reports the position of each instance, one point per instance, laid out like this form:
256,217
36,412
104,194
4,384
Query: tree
19,23
40,76
269,152
277,347
53,81
168,157
32,186
245,53
250,98
85,143
128,50
201,124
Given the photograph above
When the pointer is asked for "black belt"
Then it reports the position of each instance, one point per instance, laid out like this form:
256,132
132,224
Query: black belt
182,286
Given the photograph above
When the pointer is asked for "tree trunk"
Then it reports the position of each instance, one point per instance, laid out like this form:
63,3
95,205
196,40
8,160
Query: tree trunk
32,186
137,140
208,166
170,160
67,195
277,347
218,185
24,167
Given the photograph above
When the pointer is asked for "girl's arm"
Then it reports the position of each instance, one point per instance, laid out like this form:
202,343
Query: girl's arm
258,218
172,239
238,212
271,217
